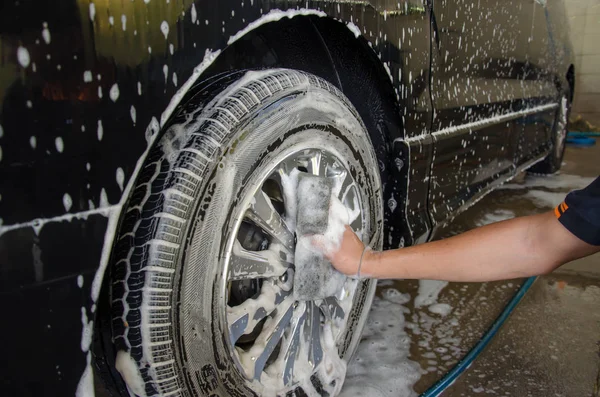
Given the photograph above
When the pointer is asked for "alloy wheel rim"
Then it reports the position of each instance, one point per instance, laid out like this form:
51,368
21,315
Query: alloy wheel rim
273,338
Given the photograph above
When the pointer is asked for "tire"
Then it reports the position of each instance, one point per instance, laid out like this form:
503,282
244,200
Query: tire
553,161
177,297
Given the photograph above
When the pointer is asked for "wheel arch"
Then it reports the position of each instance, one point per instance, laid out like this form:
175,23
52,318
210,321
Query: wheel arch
330,49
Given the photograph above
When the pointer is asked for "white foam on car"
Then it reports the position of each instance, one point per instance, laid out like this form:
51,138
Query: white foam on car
60,146
67,202
23,56
114,92
354,29
130,372
85,387
92,11
164,28
46,33
273,16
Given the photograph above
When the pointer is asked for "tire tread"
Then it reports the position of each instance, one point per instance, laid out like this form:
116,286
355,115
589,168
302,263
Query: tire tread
155,223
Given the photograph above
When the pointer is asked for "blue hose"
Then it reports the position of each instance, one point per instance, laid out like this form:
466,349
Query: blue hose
575,134
466,362
582,138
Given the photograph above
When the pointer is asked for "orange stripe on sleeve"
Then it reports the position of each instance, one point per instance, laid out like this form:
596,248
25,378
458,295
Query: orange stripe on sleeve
556,212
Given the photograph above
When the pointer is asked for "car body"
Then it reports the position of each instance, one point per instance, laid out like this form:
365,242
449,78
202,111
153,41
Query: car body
457,96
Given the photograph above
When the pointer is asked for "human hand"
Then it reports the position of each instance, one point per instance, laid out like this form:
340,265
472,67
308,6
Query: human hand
347,257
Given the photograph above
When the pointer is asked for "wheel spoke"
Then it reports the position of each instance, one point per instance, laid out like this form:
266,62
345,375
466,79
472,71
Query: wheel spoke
316,165
338,183
346,185
269,338
347,194
262,213
244,318
290,351
332,309
238,327
246,264
313,325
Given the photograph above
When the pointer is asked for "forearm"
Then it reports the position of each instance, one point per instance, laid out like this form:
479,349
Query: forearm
519,247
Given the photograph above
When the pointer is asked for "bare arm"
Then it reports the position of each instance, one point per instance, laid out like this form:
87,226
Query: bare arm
519,247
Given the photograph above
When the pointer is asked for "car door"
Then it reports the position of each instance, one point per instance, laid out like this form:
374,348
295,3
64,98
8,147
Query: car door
538,85
478,60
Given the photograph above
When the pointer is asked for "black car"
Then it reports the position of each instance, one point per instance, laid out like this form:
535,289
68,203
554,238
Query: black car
149,152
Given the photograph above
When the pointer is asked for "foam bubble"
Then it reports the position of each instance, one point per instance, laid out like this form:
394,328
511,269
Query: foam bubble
429,291
381,366
23,56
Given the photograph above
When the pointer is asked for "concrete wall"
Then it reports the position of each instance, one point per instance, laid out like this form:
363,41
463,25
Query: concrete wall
584,20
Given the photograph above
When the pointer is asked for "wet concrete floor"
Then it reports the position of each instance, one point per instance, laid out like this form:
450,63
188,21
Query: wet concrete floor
550,344
418,331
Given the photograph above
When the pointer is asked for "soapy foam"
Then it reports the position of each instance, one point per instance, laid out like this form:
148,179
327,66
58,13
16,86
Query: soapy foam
429,291
120,176
38,224
67,202
557,181
23,56
92,11
332,369
130,372
46,33
442,309
60,146
85,387
273,16
381,366
314,279
114,92
132,113
545,199
164,28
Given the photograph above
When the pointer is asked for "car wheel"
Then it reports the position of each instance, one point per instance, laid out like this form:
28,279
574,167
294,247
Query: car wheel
203,268
553,160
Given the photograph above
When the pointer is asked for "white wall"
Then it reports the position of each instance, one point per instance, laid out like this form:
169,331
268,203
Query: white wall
584,20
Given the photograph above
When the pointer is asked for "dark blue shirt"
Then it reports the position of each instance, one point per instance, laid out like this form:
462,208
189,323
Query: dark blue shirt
580,213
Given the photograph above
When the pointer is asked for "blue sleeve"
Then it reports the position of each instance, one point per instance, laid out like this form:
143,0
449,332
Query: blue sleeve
580,213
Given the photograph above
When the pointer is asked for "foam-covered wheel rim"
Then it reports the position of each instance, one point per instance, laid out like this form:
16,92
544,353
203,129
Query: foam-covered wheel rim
292,336
174,265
